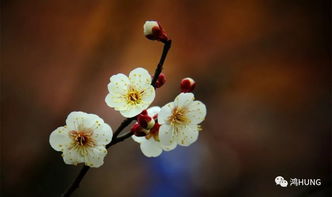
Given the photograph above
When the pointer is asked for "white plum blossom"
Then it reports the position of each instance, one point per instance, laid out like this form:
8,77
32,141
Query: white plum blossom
180,120
150,144
130,95
82,139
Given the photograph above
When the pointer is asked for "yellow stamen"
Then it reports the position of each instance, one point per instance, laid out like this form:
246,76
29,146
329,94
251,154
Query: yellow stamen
178,116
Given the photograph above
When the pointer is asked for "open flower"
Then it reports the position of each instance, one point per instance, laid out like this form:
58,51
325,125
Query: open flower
82,139
180,120
150,144
130,95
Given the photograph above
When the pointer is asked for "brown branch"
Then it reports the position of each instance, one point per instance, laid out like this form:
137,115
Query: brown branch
167,46
123,125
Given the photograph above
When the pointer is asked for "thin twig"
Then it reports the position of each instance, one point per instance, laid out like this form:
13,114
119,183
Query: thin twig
77,181
123,125
159,68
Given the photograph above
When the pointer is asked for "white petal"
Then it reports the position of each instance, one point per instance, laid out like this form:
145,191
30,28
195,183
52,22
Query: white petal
90,121
72,157
60,139
95,157
165,113
138,139
102,133
152,111
170,147
148,25
166,134
139,78
184,99
116,101
148,95
196,112
119,84
133,111
187,135
151,148
75,120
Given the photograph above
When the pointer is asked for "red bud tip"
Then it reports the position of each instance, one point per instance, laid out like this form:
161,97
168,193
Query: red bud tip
138,130
161,80
145,121
145,112
155,128
187,85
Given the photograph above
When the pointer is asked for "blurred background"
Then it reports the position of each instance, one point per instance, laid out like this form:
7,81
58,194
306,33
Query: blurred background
261,67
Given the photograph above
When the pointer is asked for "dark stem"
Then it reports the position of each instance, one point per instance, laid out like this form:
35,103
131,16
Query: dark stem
167,46
76,182
123,125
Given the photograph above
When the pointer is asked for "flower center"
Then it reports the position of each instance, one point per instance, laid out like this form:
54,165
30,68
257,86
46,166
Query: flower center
134,97
178,116
82,139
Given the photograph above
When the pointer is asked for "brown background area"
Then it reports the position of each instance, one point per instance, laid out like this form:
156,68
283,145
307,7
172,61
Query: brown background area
261,68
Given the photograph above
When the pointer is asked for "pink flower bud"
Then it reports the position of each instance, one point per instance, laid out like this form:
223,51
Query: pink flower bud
145,121
187,84
161,80
154,31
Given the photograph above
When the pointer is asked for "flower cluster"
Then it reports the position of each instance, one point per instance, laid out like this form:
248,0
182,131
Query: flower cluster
85,137
176,123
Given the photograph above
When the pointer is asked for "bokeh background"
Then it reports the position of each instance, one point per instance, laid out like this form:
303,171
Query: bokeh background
261,67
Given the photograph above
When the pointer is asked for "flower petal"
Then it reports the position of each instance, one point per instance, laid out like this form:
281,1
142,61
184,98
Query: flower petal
148,95
140,78
116,101
72,157
59,139
165,113
75,120
196,112
184,99
152,111
166,134
131,112
118,84
95,157
91,121
170,147
138,139
150,148
102,133
187,135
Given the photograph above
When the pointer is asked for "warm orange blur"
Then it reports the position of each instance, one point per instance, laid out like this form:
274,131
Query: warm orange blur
261,67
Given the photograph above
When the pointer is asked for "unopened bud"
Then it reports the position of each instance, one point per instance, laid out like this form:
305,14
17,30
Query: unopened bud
138,130
144,112
161,80
154,31
187,84
145,121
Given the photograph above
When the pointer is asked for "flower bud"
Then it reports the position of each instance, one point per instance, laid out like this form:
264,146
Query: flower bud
144,112
161,80
153,31
138,130
187,84
145,121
